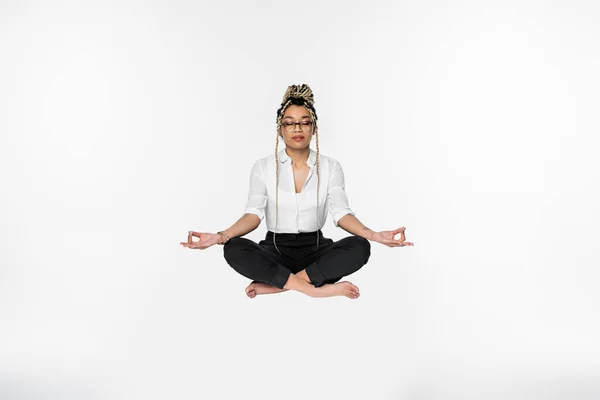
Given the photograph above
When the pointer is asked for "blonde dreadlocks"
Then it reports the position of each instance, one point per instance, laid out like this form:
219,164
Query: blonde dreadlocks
300,95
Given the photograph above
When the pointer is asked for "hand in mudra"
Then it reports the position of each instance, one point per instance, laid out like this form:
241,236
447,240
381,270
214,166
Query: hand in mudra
387,238
206,240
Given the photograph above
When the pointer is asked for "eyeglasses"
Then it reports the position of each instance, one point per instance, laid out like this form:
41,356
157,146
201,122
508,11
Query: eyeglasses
290,126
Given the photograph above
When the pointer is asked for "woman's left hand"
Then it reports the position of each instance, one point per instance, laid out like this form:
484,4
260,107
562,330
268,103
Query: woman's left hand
387,238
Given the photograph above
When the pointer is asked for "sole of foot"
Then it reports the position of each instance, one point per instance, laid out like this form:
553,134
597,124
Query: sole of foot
256,288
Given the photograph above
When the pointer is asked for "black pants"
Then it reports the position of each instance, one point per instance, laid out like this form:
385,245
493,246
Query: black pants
326,264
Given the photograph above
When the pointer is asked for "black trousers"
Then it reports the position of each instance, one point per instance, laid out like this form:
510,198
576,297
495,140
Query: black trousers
326,264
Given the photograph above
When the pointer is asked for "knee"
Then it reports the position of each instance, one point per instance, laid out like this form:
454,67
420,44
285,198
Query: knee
232,247
363,247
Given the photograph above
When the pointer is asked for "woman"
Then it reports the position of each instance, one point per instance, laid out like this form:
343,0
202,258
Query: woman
294,191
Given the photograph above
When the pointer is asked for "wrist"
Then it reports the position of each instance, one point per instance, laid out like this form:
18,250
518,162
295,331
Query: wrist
224,237
368,234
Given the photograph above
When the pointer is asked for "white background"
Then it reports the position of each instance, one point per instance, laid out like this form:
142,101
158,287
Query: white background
472,124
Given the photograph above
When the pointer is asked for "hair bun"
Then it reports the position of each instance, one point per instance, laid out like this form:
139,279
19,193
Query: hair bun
300,91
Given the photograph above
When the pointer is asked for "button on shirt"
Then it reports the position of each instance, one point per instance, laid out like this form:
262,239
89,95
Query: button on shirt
297,211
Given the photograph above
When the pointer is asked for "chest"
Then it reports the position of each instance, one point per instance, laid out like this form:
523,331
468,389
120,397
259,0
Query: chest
300,175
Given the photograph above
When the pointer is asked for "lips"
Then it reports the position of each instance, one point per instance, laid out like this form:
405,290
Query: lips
298,137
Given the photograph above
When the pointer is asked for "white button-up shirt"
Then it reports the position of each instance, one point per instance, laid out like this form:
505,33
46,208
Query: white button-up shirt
297,211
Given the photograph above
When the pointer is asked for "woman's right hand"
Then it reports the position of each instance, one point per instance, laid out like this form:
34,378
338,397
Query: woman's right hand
206,240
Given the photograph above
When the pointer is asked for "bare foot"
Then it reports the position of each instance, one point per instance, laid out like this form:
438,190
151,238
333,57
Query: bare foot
344,288
261,288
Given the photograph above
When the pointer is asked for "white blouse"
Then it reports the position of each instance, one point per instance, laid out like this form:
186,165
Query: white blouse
297,211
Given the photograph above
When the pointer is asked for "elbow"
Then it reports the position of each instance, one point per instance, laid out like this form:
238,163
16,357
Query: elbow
255,219
340,222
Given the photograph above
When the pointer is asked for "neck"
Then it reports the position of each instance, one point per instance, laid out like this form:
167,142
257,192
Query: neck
299,156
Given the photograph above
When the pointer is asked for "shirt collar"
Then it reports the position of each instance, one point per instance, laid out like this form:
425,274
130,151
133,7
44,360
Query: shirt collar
312,157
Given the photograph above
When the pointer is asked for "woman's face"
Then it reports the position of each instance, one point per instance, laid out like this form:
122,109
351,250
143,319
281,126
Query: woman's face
302,129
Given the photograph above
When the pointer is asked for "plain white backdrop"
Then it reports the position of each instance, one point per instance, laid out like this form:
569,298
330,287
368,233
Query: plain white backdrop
473,124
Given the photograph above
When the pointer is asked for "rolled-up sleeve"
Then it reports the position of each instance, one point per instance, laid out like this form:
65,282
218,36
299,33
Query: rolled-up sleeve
257,193
336,195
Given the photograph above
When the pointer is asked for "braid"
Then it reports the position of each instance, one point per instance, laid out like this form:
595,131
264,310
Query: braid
301,95
302,91
279,118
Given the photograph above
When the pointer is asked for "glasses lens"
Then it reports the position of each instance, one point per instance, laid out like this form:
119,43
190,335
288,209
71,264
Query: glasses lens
305,125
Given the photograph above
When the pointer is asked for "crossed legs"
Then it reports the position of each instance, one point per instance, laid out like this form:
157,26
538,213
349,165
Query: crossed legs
295,282
319,279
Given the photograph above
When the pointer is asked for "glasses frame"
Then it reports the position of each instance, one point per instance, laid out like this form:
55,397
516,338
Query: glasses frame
289,124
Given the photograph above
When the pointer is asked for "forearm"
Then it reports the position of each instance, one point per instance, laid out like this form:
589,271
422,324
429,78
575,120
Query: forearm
352,225
246,224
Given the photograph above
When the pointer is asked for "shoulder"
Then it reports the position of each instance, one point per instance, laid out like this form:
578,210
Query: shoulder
265,162
329,161
330,165
325,159
263,165
266,158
